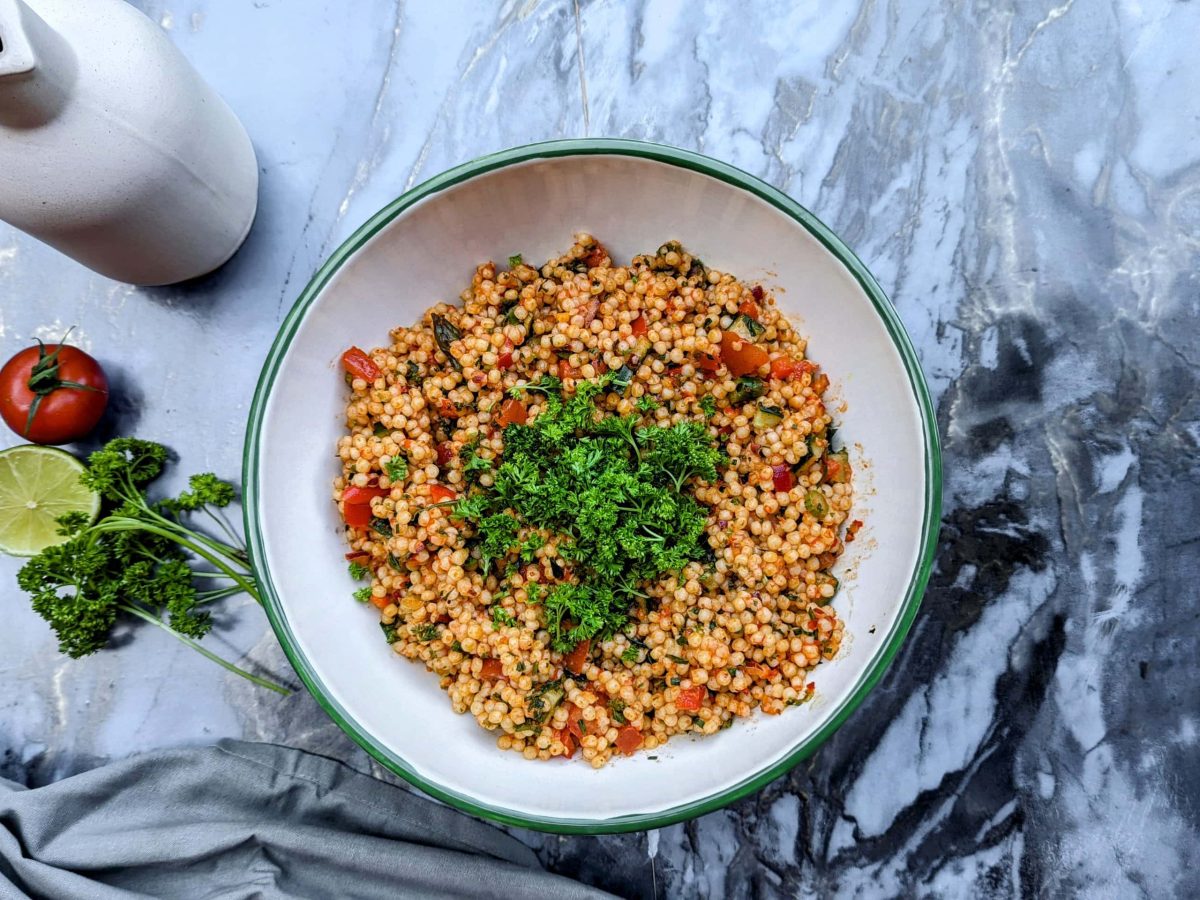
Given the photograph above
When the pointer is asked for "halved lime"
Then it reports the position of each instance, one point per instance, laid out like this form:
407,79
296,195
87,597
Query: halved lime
37,485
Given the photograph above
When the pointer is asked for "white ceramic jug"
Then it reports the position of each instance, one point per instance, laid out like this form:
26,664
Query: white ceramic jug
112,149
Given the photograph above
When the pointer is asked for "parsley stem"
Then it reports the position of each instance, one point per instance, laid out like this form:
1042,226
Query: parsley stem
122,523
204,651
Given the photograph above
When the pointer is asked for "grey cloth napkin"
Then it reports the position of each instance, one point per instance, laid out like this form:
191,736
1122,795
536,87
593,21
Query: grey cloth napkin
246,820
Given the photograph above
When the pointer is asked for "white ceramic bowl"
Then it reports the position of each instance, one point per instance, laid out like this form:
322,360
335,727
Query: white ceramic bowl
423,248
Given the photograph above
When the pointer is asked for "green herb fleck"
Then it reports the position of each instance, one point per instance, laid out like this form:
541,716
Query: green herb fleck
502,618
515,260
708,405
617,709
358,571
389,632
425,632
396,468
363,594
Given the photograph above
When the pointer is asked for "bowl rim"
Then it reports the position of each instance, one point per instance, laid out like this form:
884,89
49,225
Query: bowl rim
686,159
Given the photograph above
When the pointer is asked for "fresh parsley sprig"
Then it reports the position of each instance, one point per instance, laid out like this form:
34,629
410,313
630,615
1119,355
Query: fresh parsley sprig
140,559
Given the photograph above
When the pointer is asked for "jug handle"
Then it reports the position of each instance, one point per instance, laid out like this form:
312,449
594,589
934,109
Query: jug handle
16,53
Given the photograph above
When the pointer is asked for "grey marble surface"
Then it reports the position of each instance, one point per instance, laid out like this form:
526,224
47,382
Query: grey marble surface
1025,182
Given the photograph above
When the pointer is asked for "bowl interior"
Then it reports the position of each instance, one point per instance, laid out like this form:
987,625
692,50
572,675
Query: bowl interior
405,260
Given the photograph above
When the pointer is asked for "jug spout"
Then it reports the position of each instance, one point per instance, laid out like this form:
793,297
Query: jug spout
17,58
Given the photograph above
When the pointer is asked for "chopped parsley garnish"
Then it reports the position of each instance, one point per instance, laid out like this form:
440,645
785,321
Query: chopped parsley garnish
397,468
708,405
358,571
426,632
515,260
630,655
363,594
646,404
502,618
613,490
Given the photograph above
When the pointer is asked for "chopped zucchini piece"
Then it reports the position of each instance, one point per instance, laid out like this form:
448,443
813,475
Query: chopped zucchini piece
816,504
767,416
621,379
748,388
746,328
837,467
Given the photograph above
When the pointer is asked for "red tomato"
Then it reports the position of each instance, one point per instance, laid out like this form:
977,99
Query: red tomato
52,393
512,412
741,356
358,364
639,326
708,364
784,367
691,698
783,478
448,410
356,495
357,515
492,669
820,384
566,370
505,360
628,739
380,602
575,660
439,493
749,308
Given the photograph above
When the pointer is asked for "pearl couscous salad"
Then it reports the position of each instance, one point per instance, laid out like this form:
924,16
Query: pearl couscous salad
599,501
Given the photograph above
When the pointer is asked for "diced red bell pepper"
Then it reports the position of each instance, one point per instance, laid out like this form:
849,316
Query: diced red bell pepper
492,669
783,478
690,698
439,493
505,360
741,356
577,658
639,326
512,412
358,364
628,739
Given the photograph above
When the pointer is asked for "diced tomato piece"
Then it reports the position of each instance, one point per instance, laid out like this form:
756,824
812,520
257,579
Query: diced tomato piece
628,739
379,602
757,671
784,367
757,291
566,370
749,308
358,364
448,410
357,515
639,326
439,493
567,740
575,660
573,728
783,478
492,669
445,453
741,356
596,256
820,384
505,360
358,556
512,412
356,495
707,363
691,698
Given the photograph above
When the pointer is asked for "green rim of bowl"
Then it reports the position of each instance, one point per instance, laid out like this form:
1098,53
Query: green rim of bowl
675,157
